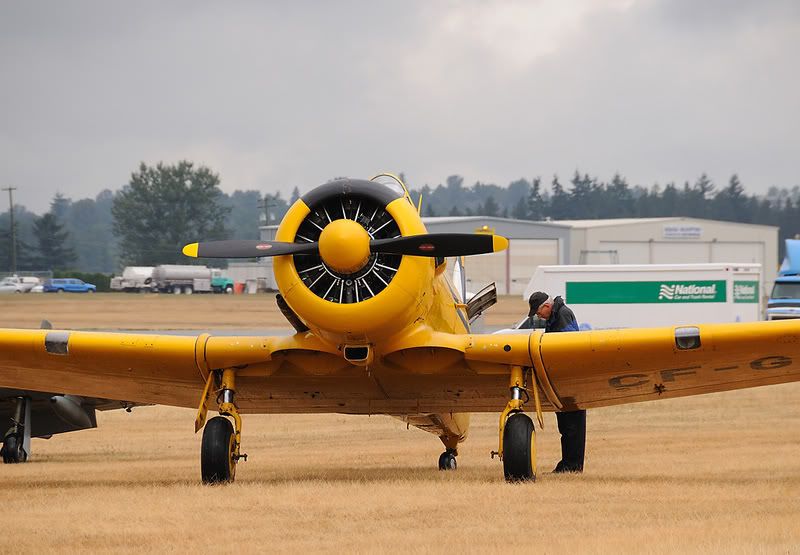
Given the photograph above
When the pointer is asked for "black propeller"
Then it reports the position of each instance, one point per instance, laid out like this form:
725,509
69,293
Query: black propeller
430,244
440,244
242,248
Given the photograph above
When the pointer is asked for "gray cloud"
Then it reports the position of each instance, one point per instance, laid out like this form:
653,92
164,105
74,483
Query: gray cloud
290,94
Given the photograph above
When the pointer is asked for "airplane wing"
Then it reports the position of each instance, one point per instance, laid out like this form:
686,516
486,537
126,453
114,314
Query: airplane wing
422,373
141,368
611,367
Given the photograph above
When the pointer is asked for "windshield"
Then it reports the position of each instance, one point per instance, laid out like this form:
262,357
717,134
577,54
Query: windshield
392,182
786,291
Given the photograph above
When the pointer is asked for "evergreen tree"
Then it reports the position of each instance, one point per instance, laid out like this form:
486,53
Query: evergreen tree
52,244
669,201
560,208
515,199
620,197
59,207
536,208
731,203
490,207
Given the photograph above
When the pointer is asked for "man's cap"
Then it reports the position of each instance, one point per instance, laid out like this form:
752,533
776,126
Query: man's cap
536,300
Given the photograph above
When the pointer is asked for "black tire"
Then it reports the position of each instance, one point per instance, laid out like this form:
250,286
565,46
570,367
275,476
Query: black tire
216,453
447,461
229,290
12,450
517,448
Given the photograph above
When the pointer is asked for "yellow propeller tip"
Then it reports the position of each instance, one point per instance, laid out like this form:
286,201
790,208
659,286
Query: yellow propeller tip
499,243
190,250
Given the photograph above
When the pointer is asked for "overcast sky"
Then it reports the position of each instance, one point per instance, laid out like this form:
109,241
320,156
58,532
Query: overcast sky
284,94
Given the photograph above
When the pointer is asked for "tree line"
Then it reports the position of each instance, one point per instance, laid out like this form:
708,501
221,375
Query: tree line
587,197
165,206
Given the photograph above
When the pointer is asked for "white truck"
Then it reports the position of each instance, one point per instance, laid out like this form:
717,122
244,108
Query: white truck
652,295
134,279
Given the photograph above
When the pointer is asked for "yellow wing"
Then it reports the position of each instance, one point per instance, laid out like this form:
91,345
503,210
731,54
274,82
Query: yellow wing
157,369
609,367
422,373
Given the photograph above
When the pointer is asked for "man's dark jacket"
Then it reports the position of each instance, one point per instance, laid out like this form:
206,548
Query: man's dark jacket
561,318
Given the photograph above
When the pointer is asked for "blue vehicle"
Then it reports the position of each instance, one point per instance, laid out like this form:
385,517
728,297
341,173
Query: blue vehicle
68,285
784,302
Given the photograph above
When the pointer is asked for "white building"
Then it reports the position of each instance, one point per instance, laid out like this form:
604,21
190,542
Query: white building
673,240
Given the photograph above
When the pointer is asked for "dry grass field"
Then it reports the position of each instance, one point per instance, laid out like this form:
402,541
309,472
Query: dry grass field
718,473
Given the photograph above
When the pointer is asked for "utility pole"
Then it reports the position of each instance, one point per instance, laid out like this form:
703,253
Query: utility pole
265,205
13,228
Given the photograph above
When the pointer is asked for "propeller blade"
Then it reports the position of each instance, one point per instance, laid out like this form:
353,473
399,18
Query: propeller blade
247,249
441,244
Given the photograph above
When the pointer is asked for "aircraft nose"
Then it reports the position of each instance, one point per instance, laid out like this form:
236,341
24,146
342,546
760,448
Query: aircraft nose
344,246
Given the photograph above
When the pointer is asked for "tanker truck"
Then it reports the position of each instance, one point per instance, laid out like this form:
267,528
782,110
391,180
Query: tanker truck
186,279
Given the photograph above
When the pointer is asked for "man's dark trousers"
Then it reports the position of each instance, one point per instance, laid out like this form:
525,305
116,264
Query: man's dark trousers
572,427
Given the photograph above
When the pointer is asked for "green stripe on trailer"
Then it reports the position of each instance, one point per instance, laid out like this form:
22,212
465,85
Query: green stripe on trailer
642,292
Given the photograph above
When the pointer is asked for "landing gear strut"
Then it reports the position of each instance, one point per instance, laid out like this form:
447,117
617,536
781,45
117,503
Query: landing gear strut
220,449
17,440
517,447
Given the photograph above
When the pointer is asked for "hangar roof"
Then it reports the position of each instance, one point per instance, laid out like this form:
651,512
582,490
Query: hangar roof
633,221
462,219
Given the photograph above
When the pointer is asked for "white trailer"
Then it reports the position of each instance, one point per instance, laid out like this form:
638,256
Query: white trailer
134,278
652,295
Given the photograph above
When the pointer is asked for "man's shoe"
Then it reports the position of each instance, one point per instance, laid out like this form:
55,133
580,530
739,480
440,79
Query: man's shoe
562,468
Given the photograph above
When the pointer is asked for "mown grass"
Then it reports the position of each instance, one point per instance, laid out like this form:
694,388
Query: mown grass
716,473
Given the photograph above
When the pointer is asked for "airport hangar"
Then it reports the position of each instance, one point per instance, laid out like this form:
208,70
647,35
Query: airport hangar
668,240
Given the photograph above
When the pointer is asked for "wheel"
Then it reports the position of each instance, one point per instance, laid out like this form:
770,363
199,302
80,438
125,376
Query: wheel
176,289
229,290
60,291
447,461
216,453
518,448
13,451
90,290
188,290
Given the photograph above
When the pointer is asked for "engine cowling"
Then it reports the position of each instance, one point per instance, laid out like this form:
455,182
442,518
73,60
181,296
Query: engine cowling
344,292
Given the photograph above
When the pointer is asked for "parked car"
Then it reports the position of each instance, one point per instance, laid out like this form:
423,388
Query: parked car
68,285
8,285
17,284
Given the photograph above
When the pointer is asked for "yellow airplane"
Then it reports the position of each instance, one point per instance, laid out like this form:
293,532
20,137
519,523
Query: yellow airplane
381,329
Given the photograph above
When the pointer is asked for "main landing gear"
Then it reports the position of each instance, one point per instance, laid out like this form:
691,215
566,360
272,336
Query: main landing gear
220,448
17,440
517,446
